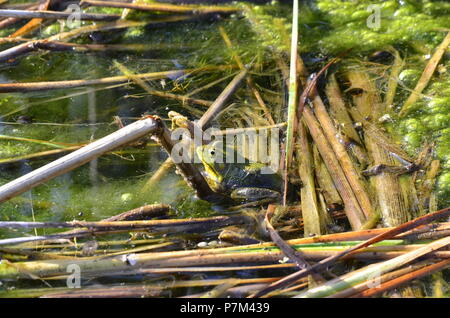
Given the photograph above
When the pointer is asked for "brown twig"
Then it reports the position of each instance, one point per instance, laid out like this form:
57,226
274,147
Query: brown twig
142,213
79,157
339,110
349,292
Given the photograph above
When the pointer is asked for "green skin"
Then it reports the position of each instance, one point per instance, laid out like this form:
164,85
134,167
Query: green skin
239,181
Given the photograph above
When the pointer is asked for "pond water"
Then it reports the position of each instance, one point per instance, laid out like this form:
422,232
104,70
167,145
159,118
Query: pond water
113,183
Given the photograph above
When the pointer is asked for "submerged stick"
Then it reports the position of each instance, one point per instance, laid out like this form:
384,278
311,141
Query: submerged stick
115,25
158,175
392,195
393,78
389,233
40,86
38,154
25,14
56,46
79,157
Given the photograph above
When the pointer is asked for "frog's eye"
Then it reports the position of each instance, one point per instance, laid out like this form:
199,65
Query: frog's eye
212,152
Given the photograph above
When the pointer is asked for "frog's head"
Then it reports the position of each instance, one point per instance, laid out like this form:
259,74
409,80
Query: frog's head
212,157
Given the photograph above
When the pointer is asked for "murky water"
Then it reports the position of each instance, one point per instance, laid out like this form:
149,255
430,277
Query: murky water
112,183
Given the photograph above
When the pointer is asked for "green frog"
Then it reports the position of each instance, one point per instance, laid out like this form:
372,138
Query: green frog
241,179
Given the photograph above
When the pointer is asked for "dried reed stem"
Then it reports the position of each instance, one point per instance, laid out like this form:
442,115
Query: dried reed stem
354,178
426,75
